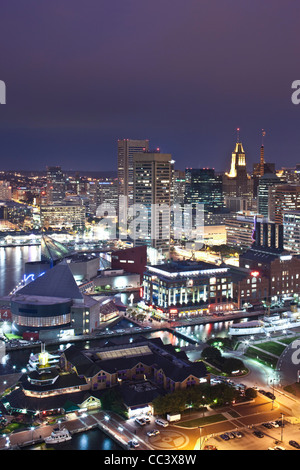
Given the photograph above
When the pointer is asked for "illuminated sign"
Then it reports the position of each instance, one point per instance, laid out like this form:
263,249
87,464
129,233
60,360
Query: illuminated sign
255,273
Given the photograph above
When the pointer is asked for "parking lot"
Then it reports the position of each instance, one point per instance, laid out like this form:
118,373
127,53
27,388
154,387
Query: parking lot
270,440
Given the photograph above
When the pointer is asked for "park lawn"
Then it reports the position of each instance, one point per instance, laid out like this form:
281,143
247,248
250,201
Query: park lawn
261,356
195,423
272,347
294,389
289,340
11,427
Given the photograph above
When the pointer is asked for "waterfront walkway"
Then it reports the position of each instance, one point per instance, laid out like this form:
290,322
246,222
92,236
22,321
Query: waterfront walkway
114,427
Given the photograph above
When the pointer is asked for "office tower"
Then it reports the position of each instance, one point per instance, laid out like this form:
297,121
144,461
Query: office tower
5,191
179,185
152,190
127,148
287,198
265,194
237,183
103,192
291,231
63,215
56,184
204,187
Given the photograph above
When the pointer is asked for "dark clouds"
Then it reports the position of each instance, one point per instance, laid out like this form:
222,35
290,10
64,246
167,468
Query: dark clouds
183,73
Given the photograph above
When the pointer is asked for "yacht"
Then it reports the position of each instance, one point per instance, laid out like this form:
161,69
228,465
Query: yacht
269,324
58,435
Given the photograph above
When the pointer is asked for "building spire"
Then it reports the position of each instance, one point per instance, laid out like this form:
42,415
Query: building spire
262,154
238,135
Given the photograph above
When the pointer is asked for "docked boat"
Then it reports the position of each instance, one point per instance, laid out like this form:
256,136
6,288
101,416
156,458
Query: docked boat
58,436
269,324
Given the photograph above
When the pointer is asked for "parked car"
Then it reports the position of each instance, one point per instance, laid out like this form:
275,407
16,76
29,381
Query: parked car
259,434
294,444
140,421
268,425
161,422
225,437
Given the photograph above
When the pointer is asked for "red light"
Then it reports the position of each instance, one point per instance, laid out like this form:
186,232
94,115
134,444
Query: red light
255,273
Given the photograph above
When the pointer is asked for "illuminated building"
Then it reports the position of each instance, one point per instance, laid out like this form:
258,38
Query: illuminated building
188,288
240,228
268,256
237,183
54,306
287,198
56,184
291,231
5,191
76,383
127,148
152,189
266,190
62,214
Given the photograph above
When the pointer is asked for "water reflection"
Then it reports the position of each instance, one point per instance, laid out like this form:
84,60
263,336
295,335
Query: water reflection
12,265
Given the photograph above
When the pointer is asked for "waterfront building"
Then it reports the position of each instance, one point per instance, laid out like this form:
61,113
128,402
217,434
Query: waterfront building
268,257
79,379
188,288
54,306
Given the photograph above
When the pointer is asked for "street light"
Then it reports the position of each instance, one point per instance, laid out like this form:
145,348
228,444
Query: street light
200,442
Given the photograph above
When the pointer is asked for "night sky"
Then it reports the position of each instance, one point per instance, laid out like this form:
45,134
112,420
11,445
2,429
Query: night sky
184,74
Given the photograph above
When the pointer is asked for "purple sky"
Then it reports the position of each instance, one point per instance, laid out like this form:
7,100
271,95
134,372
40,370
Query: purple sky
183,73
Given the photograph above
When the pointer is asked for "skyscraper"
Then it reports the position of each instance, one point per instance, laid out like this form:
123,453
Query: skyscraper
204,187
237,183
265,195
56,184
126,150
152,189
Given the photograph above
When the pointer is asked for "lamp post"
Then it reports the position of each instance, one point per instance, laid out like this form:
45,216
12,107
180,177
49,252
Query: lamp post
200,441
281,433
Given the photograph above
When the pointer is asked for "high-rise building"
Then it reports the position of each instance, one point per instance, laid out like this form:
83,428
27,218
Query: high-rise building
56,184
265,194
287,198
5,191
152,189
59,215
127,148
291,231
204,187
237,183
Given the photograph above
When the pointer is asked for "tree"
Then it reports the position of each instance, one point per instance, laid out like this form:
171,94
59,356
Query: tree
250,393
211,353
232,364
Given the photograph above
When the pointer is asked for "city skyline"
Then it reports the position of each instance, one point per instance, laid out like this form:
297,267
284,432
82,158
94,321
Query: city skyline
183,77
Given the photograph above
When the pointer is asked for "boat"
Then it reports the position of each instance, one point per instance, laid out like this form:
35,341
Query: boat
269,324
58,435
